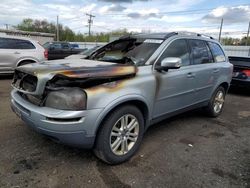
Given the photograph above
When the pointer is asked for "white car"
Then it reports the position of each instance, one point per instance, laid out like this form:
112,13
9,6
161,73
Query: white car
17,51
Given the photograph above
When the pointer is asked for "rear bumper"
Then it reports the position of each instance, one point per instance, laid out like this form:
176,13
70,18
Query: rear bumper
77,129
240,83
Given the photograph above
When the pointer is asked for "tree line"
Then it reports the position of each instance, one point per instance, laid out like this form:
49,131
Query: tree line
66,34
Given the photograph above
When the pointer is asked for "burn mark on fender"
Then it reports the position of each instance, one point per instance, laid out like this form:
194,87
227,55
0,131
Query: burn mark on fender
107,87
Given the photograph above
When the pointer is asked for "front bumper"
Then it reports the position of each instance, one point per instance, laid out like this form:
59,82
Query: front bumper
75,128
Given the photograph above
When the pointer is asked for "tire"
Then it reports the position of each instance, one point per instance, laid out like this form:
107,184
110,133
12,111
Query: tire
217,99
113,123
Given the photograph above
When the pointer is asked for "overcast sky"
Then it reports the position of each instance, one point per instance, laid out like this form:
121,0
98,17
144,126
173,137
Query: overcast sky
135,15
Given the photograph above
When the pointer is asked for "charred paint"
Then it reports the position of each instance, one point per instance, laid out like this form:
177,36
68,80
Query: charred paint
107,87
113,71
80,73
79,69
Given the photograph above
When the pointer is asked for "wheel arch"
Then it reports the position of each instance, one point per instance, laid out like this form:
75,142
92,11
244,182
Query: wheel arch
225,85
137,102
32,60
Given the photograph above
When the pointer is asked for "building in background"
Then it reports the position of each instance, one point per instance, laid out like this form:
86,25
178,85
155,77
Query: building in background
40,37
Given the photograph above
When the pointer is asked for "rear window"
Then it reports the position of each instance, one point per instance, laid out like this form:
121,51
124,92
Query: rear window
56,45
217,52
46,45
7,43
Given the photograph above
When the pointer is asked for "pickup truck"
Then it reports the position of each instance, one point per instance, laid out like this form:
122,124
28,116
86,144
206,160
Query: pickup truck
60,50
241,72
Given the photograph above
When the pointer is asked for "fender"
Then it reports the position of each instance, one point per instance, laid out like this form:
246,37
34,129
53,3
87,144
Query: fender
117,102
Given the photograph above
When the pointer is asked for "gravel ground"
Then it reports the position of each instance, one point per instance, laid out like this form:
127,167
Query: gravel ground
189,150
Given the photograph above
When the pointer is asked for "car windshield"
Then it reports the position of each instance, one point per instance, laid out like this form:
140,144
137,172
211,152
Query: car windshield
131,50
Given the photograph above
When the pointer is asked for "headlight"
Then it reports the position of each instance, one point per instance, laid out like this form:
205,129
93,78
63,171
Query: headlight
67,99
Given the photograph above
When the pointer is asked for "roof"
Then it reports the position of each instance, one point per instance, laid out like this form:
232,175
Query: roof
164,35
16,37
28,33
150,35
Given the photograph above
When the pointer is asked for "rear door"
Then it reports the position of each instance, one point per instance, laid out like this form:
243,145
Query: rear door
66,50
55,51
176,87
205,70
8,54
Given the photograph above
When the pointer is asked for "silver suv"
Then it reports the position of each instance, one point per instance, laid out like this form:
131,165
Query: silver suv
17,51
109,99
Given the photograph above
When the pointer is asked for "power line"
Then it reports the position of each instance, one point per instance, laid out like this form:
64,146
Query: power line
184,11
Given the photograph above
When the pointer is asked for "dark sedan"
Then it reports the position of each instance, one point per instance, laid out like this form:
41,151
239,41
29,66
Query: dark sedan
241,73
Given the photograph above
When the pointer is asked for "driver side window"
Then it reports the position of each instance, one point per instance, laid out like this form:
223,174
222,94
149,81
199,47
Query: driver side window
177,48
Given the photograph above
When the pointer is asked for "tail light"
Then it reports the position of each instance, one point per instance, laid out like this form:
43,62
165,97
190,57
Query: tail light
246,72
46,53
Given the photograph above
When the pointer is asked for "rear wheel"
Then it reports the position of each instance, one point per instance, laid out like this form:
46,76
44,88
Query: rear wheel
120,135
216,103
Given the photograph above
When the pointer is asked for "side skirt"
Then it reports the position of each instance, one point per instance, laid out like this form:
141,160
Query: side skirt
174,113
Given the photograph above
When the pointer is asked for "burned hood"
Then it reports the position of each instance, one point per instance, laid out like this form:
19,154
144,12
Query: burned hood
37,75
78,68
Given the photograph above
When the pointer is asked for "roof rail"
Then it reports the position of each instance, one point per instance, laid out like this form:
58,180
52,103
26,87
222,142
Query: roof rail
170,34
195,34
202,35
187,33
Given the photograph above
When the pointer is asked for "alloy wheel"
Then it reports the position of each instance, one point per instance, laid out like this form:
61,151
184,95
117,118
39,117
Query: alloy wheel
124,134
218,101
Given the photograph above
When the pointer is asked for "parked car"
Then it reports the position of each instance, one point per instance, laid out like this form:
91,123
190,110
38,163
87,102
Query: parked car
83,54
74,46
60,50
241,73
17,51
108,100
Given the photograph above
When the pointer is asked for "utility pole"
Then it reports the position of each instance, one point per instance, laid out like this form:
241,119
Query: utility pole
90,21
248,34
57,28
221,24
7,26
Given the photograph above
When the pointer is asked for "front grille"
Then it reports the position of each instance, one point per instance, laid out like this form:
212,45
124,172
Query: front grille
24,81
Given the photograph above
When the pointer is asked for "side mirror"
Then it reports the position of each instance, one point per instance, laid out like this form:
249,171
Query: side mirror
169,63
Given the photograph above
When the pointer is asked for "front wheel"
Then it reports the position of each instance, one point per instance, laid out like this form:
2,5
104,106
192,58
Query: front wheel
120,135
216,103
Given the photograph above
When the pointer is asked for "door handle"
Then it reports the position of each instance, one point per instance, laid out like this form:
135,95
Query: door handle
190,75
16,52
216,70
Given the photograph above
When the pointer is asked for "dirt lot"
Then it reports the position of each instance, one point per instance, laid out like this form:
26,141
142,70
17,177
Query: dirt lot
189,150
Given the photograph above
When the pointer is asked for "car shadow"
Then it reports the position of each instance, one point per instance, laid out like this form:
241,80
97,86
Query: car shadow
167,123
6,77
239,91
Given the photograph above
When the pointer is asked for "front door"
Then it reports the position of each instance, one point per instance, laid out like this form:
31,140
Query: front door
176,87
